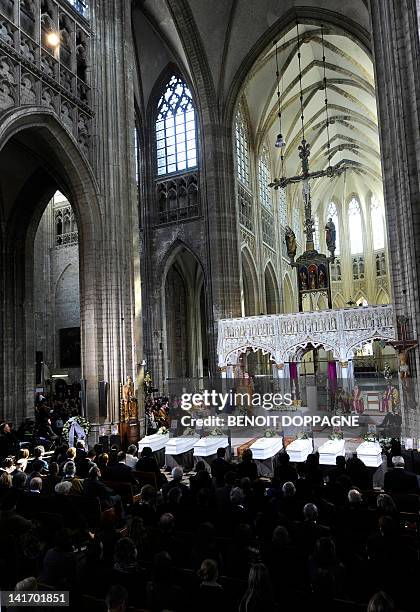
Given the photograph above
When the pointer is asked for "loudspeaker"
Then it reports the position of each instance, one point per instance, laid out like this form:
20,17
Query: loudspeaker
103,398
104,440
115,440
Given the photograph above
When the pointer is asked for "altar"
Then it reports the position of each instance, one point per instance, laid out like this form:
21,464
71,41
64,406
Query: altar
157,443
298,450
264,451
179,451
329,452
370,453
205,449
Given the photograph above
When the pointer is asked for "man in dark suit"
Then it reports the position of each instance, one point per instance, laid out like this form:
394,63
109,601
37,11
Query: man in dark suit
93,487
308,531
121,472
400,480
284,472
147,463
220,467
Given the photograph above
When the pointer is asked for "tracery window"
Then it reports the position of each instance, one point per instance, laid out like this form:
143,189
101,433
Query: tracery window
282,206
242,147
380,264
358,267
355,227
66,232
333,214
297,223
336,270
176,134
264,178
81,6
316,232
377,219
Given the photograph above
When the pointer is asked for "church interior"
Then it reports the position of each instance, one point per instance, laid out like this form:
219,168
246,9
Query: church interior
209,303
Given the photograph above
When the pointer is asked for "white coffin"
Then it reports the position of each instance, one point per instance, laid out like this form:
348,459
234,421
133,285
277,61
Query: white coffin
181,444
155,441
208,446
265,448
298,450
370,453
329,451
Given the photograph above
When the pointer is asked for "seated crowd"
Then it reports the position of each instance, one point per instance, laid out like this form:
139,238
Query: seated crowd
222,539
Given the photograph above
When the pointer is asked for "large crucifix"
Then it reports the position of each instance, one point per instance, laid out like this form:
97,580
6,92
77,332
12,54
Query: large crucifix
304,178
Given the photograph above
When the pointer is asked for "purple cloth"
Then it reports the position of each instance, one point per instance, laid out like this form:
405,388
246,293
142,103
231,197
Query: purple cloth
293,369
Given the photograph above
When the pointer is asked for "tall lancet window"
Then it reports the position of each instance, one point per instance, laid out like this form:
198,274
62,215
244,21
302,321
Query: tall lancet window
333,214
264,178
316,232
377,219
355,227
176,133
242,147
281,191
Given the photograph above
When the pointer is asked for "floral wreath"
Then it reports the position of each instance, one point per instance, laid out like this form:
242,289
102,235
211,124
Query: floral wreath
84,424
163,430
271,433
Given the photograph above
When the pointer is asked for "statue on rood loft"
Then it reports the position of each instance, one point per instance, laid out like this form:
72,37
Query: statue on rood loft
290,243
330,235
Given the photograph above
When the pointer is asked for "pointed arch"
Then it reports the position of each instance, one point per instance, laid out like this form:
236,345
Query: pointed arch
70,172
288,295
338,301
249,284
272,299
183,314
382,297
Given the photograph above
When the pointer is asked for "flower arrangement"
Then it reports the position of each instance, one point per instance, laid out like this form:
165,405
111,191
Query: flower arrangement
385,443
216,432
189,431
370,437
302,435
84,424
163,430
271,433
336,435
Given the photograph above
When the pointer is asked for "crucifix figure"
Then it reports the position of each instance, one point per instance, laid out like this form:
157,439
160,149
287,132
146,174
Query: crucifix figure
305,178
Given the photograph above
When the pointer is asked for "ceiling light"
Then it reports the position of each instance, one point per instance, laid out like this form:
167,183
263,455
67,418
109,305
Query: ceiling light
280,142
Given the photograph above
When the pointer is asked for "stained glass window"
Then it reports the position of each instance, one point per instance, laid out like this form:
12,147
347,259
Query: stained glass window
333,214
355,227
282,206
242,148
264,178
176,135
316,232
377,219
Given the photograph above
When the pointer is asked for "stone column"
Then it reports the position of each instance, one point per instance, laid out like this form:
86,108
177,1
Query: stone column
396,52
113,160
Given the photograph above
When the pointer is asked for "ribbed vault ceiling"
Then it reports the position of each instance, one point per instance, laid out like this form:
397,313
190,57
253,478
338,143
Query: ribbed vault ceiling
352,112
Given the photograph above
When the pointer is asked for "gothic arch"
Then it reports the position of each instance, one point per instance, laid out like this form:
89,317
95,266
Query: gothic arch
338,301
382,297
61,165
183,314
272,300
288,295
249,283
280,27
